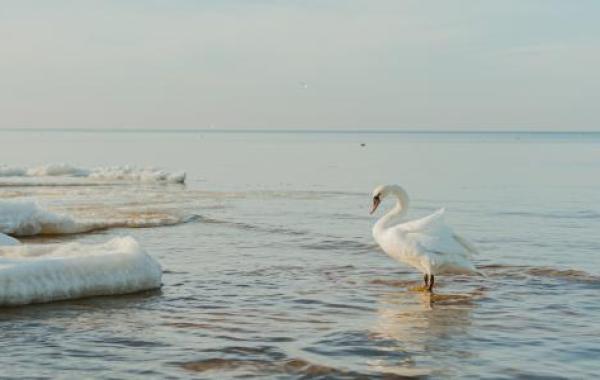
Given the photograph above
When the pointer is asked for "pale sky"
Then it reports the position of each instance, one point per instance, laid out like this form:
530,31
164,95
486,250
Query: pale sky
304,64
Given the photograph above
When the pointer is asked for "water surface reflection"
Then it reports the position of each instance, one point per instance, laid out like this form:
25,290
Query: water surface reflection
423,326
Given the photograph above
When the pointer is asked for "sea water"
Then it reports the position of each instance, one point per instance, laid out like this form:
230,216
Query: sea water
270,269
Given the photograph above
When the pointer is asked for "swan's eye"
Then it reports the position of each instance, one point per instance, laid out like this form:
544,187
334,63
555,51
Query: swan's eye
377,197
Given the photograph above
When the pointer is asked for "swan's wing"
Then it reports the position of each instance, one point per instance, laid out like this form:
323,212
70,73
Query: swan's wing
429,222
440,252
440,241
432,234
466,244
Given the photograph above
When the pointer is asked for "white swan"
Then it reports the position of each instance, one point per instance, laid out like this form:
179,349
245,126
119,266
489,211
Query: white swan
427,244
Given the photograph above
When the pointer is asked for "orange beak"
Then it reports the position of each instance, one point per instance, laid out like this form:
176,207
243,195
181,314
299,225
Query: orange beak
376,202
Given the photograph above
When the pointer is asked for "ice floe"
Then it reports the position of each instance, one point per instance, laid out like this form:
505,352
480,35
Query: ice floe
109,173
44,273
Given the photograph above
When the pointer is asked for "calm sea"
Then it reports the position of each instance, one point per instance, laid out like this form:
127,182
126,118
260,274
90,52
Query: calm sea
270,269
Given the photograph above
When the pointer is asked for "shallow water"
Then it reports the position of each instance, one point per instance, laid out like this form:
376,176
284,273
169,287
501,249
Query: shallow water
271,270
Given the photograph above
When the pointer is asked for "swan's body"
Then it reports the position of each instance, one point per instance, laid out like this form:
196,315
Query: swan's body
427,244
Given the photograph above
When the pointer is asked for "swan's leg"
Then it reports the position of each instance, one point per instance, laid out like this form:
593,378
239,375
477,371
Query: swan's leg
431,281
426,279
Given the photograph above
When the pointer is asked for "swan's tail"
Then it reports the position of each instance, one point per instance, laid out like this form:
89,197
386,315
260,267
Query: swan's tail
474,271
467,245
479,273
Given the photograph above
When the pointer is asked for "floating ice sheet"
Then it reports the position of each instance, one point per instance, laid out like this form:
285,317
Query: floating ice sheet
44,273
110,173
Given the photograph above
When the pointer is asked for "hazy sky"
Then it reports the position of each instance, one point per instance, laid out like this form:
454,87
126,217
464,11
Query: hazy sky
468,65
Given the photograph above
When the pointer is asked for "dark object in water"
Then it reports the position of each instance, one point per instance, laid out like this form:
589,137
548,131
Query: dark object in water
363,144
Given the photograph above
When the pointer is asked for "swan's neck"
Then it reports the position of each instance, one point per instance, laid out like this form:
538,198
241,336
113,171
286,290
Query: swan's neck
396,213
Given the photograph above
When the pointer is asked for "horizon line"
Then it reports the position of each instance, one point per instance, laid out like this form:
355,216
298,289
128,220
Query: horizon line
294,130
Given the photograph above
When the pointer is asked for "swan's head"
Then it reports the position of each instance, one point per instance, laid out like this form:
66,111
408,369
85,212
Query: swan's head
383,191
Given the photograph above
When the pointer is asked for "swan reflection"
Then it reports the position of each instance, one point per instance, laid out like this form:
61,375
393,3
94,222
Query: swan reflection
424,326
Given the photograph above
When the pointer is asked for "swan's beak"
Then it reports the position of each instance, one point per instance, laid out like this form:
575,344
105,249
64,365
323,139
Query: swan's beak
376,202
